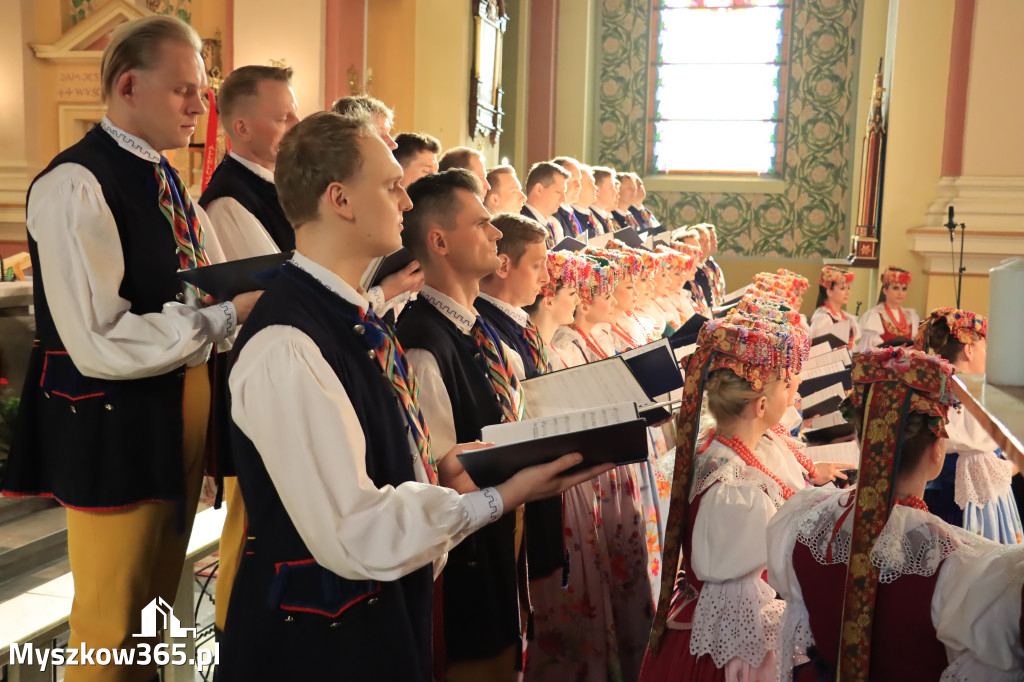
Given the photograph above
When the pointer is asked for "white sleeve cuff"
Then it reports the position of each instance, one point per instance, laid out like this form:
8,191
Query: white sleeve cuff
222,318
484,506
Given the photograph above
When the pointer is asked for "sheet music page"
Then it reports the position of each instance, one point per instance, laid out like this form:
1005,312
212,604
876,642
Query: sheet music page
600,240
826,420
818,359
684,352
596,384
651,347
559,424
824,370
838,453
833,391
819,349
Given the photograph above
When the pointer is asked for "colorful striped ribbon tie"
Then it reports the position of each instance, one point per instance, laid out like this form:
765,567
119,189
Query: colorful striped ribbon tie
499,371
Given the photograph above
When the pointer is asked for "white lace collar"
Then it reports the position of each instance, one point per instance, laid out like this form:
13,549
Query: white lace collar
518,315
125,140
720,464
462,317
913,542
259,170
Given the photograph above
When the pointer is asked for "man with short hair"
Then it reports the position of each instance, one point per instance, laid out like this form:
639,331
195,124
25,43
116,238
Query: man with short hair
642,214
395,291
417,154
582,206
471,160
257,107
545,192
350,516
627,194
506,194
571,227
466,382
380,114
606,197
115,407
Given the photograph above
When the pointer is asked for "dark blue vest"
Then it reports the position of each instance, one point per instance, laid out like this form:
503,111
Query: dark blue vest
605,223
640,218
256,195
570,226
480,582
97,443
584,220
290,618
545,540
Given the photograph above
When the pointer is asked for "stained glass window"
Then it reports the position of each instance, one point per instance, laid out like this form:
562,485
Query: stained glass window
718,77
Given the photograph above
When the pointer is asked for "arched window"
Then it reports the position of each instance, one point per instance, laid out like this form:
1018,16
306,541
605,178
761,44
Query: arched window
718,80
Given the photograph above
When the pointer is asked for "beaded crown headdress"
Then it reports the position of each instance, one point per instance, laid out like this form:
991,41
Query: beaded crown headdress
967,327
600,278
888,383
757,355
630,262
832,275
800,283
564,270
894,275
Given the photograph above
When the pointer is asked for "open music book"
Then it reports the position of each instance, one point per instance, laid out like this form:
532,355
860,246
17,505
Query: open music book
836,453
613,433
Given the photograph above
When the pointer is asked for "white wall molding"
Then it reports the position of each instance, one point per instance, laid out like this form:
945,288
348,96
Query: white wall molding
992,208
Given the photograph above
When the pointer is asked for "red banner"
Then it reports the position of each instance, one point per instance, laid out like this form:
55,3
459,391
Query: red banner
210,150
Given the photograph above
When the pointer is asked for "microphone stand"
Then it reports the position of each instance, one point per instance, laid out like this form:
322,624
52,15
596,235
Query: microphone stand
951,225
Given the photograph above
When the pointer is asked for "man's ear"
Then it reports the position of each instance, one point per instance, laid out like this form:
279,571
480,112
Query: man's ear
506,266
241,129
125,86
437,241
335,201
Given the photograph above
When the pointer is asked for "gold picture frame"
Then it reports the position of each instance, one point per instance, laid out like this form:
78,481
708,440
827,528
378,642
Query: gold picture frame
485,93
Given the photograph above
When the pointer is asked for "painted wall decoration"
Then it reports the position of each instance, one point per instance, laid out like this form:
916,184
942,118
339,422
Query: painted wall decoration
810,219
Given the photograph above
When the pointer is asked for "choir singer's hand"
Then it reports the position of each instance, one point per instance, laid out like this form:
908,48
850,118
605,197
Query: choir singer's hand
546,480
450,472
243,303
409,278
830,471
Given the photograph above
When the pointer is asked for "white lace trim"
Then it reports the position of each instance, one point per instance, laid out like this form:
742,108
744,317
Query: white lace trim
719,464
736,618
967,668
795,637
913,542
980,478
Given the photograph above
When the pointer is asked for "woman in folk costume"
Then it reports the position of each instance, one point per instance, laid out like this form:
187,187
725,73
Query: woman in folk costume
673,264
651,315
720,621
557,301
876,587
698,293
682,292
800,286
833,293
889,322
594,626
973,490
680,266
577,341
627,331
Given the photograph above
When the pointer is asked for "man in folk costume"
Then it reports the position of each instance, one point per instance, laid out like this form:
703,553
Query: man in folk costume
115,408
877,588
545,193
606,198
718,620
581,208
566,215
349,516
627,194
466,382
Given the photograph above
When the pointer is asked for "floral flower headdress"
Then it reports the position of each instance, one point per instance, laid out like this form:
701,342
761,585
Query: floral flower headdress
674,260
692,253
888,383
894,275
966,326
832,275
600,278
564,270
771,311
630,262
800,283
757,355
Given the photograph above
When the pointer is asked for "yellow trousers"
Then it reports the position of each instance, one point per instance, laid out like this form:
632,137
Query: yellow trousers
121,560
232,539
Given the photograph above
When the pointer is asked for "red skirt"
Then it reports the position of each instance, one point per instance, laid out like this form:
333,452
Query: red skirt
675,663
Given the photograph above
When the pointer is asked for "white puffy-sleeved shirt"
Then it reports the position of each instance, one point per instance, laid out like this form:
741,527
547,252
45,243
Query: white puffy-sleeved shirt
872,328
737,615
823,321
77,237
294,408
